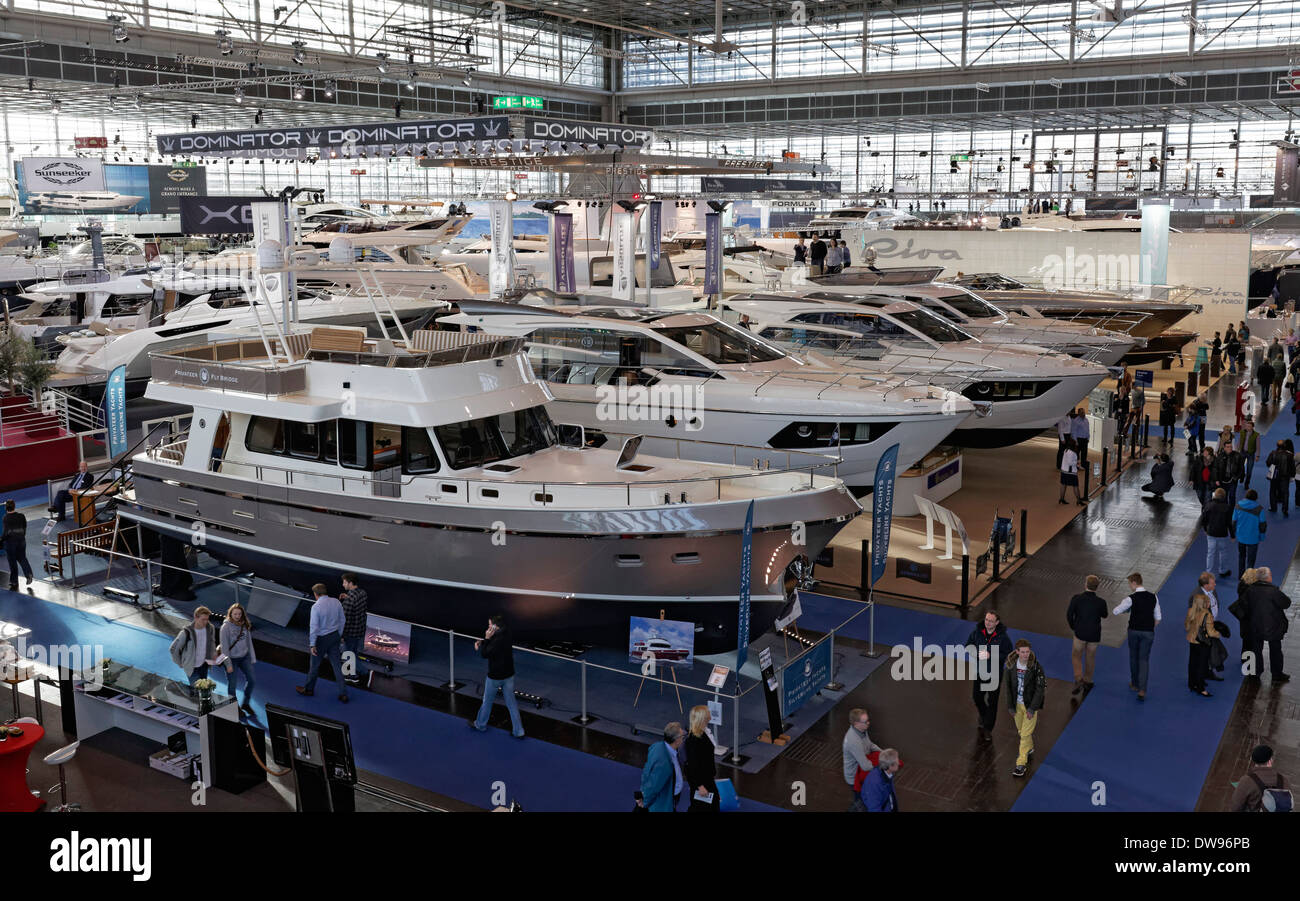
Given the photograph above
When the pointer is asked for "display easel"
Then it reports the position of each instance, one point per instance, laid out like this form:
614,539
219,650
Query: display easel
672,674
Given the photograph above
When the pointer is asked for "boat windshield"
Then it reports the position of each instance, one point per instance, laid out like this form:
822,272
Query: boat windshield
721,343
478,442
973,307
932,326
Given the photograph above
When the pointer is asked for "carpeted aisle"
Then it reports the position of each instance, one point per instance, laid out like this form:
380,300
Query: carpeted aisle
403,741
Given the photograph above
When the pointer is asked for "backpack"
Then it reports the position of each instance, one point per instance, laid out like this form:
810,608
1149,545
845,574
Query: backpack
1273,800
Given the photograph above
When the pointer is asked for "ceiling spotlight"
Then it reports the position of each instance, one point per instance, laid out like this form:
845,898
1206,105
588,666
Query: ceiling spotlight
1178,79
410,53
119,29
512,195
397,109
194,120
330,87
410,80
239,93
298,92
382,65
550,206
298,56
279,11
1219,173
1194,24
1055,82
981,87
717,205
56,106
224,43
117,79
465,80
257,120
31,84
139,100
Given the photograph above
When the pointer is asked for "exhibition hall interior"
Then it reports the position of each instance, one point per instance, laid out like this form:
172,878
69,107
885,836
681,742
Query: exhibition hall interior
558,406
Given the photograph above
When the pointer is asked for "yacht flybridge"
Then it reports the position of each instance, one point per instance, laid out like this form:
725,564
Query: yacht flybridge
430,465
1026,388
690,375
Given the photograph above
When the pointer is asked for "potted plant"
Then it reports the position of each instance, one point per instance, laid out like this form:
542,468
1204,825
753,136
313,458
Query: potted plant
204,687
34,368
10,348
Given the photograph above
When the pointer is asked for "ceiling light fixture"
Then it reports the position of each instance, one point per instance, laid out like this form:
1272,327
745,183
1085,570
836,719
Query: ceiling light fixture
298,56
298,92
239,93
119,29
330,87
382,64
224,43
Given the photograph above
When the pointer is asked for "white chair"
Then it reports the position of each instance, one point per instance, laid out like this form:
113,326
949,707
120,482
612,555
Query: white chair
59,758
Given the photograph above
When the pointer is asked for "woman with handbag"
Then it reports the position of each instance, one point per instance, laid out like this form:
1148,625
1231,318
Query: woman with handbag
700,772
1200,630
237,646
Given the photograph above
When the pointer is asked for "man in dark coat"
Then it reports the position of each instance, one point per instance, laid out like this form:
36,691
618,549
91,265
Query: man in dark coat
993,649
817,256
1162,477
1084,615
1263,620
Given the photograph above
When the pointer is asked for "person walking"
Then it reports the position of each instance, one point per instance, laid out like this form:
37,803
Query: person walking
325,639
15,539
1208,585
1162,477
1248,525
858,749
1261,785
1202,475
237,644
993,649
833,256
1063,426
701,769
1143,608
1232,350
1192,425
800,251
1217,523
1199,626
1084,616
878,795
1026,689
1264,621
1279,372
1281,473
1226,469
496,647
1139,407
1248,443
817,255
1168,416
195,645
1079,432
661,777
1265,379
1070,473
1216,348
355,603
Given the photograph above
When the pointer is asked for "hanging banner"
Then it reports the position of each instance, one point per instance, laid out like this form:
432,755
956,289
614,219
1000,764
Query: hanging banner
217,215
1154,244
115,412
882,511
42,174
501,221
346,139
739,184
562,256
713,253
656,234
168,184
624,256
575,131
746,556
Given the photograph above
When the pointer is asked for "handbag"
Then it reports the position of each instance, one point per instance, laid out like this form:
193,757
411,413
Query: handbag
1203,634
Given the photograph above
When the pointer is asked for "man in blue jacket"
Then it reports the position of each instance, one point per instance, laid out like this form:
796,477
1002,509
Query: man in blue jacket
661,778
1247,522
878,788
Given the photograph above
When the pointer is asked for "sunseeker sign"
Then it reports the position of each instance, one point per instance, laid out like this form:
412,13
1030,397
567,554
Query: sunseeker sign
297,142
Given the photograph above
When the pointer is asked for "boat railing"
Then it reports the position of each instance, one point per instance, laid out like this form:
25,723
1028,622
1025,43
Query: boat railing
799,468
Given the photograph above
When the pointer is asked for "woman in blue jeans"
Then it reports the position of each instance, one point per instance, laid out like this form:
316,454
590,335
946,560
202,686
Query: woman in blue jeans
237,645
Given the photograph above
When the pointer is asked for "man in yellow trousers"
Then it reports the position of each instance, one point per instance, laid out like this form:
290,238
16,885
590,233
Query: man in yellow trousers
1025,685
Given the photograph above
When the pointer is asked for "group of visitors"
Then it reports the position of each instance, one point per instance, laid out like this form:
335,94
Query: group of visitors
821,258
682,764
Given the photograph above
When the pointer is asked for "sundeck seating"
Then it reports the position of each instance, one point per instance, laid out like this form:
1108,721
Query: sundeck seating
336,339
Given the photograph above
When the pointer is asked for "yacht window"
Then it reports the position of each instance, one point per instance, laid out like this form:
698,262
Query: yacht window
265,435
932,326
354,443
972,306
417,447
722,343
329,441
124,304
940,310
386,450
481,441
304,439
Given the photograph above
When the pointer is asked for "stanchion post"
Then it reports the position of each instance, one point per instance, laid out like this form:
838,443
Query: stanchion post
864,568
735,723
1146,432
1087,475
584,720
451,660
1105,460
1024,525
148,580
997,557
965,584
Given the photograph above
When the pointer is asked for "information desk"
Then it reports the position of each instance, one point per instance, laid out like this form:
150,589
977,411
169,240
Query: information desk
151,706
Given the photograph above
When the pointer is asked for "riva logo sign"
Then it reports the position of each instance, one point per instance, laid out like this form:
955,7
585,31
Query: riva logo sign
63,173
889,248
103,855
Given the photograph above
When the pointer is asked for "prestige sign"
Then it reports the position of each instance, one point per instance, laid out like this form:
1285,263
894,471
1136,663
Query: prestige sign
296,142
574,131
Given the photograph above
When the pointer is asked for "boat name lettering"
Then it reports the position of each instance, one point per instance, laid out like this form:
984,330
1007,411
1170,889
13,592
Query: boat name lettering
888,247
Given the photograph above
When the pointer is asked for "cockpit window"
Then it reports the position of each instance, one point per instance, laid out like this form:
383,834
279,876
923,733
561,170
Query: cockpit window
721,343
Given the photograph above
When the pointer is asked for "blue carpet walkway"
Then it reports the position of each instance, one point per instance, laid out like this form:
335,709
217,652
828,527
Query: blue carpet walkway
423,747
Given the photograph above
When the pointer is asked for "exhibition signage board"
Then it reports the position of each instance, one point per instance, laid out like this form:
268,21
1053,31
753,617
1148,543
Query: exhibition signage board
217,215
387,639
1154,251
746,559
562,273
502,227
771,691
882,511
666,641
655,226
713,253
168,184
115,412
1145,378
738,184
90,143
911,569
55,173
518,102
296,142
624,255
805,676
576,131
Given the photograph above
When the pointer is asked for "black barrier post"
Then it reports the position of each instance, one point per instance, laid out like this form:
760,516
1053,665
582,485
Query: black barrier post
1087,476
996,545
1146,432
864,575
965,584
1105,460
1024,523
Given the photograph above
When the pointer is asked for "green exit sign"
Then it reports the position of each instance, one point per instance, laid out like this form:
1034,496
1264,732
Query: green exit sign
959,158
517,103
